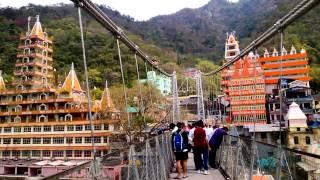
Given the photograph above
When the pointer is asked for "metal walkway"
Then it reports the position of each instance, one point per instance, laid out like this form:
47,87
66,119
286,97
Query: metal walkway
193,175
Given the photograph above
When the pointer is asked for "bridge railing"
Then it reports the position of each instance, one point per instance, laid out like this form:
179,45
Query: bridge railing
235,160
151,159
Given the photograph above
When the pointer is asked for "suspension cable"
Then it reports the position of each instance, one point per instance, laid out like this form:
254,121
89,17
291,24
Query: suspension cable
124,89
94,173
140,90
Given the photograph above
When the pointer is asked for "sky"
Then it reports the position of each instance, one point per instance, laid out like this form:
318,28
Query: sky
138,9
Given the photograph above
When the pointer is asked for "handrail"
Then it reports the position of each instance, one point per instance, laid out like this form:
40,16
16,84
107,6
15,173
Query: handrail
276,146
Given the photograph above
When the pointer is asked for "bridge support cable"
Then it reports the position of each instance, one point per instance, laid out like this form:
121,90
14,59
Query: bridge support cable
94,169
142,107
93,10
298,11
200,103
175,100
124,90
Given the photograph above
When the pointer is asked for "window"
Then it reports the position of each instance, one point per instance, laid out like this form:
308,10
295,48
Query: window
97,139
105,139
298,129
296,140
78,140
77,153
70,128
87,153
97,127
16,141
26,140
57,153
36,141
263,135
17,129
7,130
5,153
58,140
37,129
87,140
46,141
69,140
35,153
308,141
106,126
88,127
26,153
68,153
6,140
78,127
27,129
47,128
68,117
58,128
46,153
16,153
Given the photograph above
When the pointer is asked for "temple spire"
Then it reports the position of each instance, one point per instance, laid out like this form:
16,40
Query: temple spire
71,82
106,101
2,84
293,50
266,53
37,28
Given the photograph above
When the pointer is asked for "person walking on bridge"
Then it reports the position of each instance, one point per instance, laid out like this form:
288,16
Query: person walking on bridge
201,147
215,142
180,148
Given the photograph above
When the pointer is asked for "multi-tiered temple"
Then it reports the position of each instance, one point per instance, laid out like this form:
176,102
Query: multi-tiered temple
39,120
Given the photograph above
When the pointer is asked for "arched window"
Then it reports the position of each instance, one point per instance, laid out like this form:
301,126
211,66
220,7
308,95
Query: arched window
68,117
25,69
44,70
27,42
42,107
26,51
20,88
44,61
45,53
68,106
19,97
45,44
18,108
24,78
296,140
43,96
25,60
43,118
17,119
308,140
44,80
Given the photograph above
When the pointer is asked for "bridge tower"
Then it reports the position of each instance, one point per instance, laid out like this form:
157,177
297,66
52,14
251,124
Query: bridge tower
175,100
200,104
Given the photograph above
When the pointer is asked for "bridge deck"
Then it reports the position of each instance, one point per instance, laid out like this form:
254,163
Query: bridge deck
193,175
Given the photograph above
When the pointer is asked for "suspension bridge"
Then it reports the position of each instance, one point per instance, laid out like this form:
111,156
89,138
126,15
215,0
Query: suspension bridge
238,157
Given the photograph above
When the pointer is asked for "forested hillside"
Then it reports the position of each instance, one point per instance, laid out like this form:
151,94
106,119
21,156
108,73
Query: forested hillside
61,23
184,37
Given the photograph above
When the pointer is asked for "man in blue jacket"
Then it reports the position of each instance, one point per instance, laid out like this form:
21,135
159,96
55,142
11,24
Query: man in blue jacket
214,143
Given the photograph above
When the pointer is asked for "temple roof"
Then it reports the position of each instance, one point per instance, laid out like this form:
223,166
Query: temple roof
295,116
37,29
2,84
71,82
106,101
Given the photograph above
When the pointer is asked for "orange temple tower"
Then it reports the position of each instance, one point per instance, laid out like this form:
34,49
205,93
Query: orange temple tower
39,120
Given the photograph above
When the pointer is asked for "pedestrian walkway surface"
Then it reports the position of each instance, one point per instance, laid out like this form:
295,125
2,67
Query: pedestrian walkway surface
193,175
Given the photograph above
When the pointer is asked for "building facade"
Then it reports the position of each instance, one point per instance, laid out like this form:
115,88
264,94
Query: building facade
247,92
39,120
161,82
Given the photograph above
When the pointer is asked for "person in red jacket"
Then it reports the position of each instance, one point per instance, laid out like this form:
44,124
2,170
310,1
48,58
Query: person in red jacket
201,148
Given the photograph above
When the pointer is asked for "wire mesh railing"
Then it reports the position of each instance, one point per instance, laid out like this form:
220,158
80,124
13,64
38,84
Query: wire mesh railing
151,159
234,159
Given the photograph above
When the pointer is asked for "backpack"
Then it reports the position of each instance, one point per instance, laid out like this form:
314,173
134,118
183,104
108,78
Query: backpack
178,144
199,138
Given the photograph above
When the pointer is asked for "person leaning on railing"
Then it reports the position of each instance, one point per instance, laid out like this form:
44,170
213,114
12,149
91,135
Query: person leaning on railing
215,140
